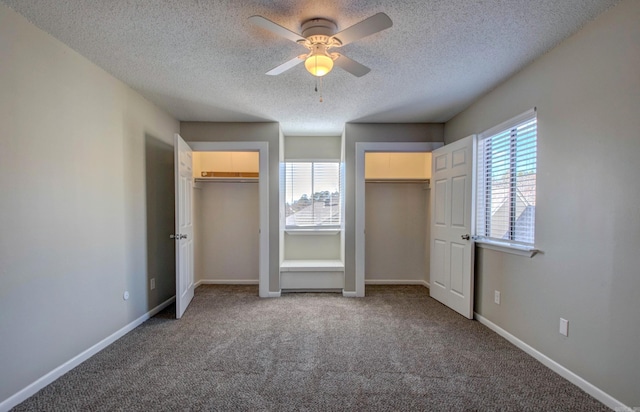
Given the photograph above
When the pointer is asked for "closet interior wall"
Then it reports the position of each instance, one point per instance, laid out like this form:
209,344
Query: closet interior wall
397,230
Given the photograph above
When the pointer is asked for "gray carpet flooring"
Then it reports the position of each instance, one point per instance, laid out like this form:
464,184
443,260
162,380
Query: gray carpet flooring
395,350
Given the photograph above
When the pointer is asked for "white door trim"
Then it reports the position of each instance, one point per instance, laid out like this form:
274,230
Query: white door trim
263,183
361,148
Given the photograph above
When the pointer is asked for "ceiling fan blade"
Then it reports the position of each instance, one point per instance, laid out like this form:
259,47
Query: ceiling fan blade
275,28
366,27
285,66
351,66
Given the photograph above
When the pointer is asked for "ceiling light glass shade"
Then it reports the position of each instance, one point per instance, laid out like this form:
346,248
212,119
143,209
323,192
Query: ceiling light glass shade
319,64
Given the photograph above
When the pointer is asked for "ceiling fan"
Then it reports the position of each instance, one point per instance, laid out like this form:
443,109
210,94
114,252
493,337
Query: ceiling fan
319,36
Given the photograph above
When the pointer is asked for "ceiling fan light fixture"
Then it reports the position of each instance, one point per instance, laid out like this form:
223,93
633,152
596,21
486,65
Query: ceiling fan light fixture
318,63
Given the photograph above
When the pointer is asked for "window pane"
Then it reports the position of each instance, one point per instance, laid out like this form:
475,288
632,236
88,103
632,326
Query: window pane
525,183
298,192
312,194
507,184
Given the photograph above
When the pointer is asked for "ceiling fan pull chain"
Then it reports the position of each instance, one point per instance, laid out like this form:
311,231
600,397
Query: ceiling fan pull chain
321,90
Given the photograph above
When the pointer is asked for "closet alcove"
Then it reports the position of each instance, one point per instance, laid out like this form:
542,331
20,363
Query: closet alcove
226,206
397,217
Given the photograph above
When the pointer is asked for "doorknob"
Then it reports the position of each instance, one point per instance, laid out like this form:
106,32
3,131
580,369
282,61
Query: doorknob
465,237
177,236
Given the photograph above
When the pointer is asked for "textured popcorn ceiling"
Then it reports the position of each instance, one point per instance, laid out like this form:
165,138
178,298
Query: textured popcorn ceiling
202,59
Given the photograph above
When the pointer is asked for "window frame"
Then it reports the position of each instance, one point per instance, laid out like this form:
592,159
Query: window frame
481,238
315,229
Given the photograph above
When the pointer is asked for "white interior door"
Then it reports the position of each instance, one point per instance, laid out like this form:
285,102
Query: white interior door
184,225
451,272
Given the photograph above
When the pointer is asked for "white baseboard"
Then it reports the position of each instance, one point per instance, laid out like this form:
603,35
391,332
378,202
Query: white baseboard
588,387
274,294
349,294
45,380
396,282
227,282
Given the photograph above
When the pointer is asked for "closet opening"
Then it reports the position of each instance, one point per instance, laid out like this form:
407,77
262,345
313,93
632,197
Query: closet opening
230,213
397,217
392,213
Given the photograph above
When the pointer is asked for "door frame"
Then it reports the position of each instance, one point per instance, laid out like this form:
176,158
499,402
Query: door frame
263,183
361,149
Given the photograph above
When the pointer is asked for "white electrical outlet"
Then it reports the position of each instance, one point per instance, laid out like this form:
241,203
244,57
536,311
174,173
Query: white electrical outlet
496,297
564,327
125,296
152,283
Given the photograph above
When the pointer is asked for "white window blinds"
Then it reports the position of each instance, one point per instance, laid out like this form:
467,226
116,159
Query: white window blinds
506,179
312,194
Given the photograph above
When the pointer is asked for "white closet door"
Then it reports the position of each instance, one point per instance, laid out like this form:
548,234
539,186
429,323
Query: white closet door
185,284
451,274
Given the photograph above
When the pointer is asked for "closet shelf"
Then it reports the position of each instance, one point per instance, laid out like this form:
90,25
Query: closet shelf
226,179
397,180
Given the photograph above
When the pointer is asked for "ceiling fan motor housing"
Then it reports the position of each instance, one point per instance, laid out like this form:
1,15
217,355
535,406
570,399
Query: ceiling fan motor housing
318,26
318,36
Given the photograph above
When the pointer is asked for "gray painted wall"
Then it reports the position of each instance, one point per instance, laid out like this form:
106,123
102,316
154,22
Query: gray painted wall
312,147
396,231
301,247
85,209
160,208
587,91
250,132
373,132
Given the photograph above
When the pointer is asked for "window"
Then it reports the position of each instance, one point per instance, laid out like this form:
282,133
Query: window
506,182
313,195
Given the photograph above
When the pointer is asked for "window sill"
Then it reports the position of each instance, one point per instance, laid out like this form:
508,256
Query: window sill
312,231
504,247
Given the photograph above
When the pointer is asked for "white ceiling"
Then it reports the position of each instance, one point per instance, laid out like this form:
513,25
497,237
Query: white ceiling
201,60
